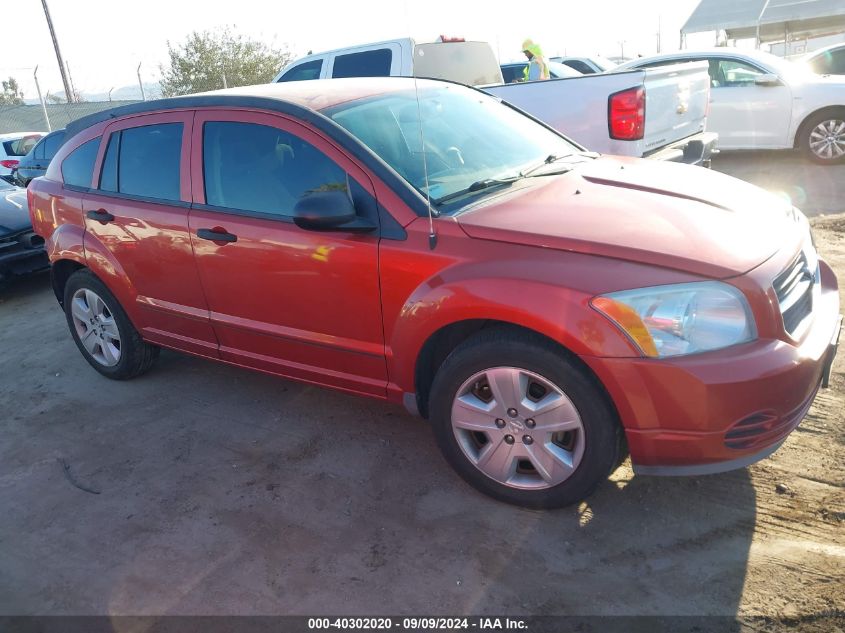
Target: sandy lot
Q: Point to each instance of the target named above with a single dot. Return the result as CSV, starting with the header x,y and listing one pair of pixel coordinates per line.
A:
x,y
222,491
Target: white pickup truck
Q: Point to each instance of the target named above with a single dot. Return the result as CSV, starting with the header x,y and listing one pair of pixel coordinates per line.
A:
x,y
656,113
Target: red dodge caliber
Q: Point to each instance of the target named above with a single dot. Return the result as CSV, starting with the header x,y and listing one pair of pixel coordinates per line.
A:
x,y
548,310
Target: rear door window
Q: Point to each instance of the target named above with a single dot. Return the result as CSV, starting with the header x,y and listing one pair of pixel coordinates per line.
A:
x,y
374,63
304,72
52,144
262,169
39,149
837,62
144,161
78,166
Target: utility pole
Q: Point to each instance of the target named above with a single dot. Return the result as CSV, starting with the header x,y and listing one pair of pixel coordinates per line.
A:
x,y
141,83
659,29
70,79
68,93
41,99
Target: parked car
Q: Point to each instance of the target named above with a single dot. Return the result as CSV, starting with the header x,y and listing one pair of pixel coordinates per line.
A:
x,y
21,250
586,65
35,163
658,114
12,148
760,101
548,307
515,71
826,61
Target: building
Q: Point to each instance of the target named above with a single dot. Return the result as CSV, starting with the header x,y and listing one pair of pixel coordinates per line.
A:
x,y
796,26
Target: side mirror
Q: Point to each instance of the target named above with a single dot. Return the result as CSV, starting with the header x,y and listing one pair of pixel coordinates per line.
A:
x,y
768,79
329,211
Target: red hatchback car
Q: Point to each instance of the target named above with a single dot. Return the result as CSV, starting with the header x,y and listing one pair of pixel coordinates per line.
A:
x,y
545,308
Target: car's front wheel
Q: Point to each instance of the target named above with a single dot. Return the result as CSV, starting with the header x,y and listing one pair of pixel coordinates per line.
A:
x,y
522,421
102,331
824,138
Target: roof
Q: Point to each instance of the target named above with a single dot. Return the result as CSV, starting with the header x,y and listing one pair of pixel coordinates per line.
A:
x,y
311,96
320,94
24,118
740,18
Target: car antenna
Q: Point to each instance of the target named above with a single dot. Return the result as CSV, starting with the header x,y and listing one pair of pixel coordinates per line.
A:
x,y
432,235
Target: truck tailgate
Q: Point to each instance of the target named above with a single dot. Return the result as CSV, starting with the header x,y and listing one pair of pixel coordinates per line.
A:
x,y
676,103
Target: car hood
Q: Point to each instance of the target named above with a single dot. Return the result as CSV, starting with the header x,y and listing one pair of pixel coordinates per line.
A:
x,y
674,216
14,211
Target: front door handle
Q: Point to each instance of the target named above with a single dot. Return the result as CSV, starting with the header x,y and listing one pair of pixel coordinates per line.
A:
x,y
100,215
216,234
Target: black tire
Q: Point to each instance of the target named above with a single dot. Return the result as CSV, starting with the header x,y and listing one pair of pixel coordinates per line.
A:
x,y
136,356
604,446
807,130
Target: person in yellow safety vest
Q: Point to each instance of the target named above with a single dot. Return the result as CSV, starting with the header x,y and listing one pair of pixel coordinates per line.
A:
x,y
537,67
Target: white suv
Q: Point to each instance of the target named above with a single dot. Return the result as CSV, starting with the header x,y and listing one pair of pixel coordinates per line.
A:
x,y
13,147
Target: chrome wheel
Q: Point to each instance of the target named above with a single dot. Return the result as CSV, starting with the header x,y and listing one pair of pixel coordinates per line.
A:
x,y
827,139
518,428
96,327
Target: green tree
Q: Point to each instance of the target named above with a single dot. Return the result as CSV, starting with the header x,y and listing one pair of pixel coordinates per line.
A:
x,y
207,60
11,94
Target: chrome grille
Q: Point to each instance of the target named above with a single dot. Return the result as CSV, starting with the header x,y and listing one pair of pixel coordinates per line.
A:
x,y
794,289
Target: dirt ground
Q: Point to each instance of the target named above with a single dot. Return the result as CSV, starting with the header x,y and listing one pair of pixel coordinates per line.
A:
x,y
214,490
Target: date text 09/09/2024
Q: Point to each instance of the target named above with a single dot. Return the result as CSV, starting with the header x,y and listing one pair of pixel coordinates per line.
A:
x,y
419,623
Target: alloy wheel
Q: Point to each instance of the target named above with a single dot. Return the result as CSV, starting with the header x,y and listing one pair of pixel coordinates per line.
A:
x,y
518,428
827,139
95,325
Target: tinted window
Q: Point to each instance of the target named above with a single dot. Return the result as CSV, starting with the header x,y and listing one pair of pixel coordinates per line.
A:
x,y
513,73
308,70
39,149
580,66
52,144
258,168
367,64
78,166
837,62
148,161
108,173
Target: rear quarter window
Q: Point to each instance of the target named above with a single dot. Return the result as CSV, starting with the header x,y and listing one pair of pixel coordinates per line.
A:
x,y
78,166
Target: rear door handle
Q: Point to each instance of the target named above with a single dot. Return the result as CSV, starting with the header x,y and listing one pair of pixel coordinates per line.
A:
x,y
100,215
216,235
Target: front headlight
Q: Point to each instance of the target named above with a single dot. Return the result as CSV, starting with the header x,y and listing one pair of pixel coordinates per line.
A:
x,y
680,319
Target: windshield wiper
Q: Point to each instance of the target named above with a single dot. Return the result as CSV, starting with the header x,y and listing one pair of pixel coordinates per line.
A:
x,y
487,183
478,185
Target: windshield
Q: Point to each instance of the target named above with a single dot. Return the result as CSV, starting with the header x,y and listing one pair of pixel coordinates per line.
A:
x,y
469,137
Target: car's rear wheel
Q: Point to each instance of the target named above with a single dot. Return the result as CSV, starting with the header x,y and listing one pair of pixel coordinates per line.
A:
x,y
824,138
522,421
102,331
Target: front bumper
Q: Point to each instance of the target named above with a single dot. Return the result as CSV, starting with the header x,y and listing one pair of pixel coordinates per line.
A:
x,y
22,254
693,150
721,410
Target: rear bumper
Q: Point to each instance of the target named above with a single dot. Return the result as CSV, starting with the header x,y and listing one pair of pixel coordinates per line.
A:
x,y
693,150
721,410
22,254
